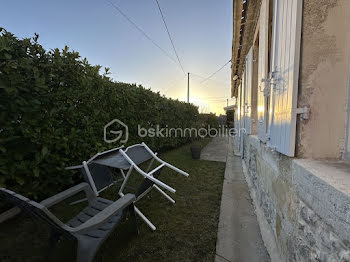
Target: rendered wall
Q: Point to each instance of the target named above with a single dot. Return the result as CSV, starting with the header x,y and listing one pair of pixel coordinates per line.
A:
x,y
324,78
308,214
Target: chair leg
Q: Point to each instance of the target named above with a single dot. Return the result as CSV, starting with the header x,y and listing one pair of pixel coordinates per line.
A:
x,y
144,218
164,194
133,217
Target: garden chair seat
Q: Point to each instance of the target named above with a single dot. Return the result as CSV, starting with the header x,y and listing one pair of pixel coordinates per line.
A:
x,y
91,210
102,176
115,159
91,227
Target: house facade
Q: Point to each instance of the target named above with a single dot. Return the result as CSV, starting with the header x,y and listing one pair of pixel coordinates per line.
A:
x,y
291,80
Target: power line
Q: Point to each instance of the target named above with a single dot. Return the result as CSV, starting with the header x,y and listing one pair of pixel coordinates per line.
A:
x,y
139,29
178,62
217,71
171,40
219,82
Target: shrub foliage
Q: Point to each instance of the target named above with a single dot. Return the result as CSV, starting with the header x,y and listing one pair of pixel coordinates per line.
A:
x,y
54,105
208,120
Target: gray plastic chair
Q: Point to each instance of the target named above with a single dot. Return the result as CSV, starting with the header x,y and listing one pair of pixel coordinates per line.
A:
x,y
91,227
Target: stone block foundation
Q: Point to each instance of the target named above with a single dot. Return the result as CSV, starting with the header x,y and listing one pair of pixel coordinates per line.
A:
x,y
304,203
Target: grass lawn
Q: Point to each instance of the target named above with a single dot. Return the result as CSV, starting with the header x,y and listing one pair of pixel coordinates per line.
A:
x,y
186,231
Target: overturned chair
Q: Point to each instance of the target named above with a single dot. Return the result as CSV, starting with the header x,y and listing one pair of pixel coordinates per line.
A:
x,y
91,227
97,172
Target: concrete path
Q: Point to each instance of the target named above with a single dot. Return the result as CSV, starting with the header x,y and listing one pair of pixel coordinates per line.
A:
x,y
216,150
239,237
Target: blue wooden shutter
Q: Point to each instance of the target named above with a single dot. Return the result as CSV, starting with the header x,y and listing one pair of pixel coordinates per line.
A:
x,y
285,73
262,67
248,90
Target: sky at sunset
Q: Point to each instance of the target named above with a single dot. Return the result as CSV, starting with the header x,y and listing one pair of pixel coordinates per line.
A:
x,y
201,31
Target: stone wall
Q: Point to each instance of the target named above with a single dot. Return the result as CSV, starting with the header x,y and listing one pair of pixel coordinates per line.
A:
x,y
308,217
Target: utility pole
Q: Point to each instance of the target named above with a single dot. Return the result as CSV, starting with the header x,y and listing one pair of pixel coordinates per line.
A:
x,y
188,87
227,101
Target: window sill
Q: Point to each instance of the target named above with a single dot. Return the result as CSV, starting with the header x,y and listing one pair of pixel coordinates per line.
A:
x,y
334,173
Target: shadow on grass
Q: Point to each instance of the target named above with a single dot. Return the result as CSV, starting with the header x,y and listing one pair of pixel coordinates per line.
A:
x,y
186,230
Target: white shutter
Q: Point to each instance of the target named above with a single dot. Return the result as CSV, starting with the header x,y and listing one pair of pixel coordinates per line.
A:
x,y
242,100
238,110
248,89
285,73
242,114
238,119
262,67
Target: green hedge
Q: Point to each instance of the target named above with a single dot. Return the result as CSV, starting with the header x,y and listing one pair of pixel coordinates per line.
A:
x,y
54,106
210,119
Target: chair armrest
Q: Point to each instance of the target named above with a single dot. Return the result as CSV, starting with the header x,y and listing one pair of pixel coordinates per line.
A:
x,y
68,193
102,217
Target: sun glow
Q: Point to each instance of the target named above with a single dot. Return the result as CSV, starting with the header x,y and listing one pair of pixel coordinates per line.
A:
x,y
210,97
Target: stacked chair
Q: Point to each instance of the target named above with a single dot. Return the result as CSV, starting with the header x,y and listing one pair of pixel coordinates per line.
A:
x,y
98,172
92,226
